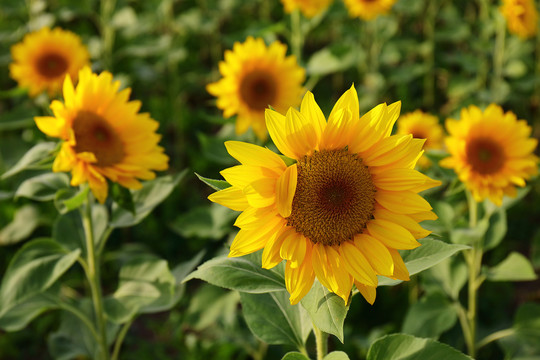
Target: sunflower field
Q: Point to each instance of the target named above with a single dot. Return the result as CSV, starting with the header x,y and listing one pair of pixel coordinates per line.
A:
x,y
269,179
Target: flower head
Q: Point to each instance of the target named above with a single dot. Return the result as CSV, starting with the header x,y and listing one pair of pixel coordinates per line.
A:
x,y
309,8
521,17
343,208
491,151
368,9
423,126
43,58
255,76
104,135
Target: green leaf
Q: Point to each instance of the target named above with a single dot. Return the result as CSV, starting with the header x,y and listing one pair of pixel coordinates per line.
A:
x,y
327,310
238,274
145,200
214,184
272,318
527,323
328,61
33,269
336,355
429,254
25,221
146,285
468,236
42,187
515,267
430,317
210,222
73,339
32,158
20,315
450,275
294,356
496,230
122,197
70,199
407,347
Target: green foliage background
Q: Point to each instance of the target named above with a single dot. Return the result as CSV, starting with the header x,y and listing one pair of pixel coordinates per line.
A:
x,y
438,56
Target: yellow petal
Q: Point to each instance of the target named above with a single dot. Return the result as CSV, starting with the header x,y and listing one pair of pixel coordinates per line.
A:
x,y
231,197
404,220
402,202
401,179
249,154
285,190
270,255
249,241
391,234
311,111
50,125
277,128
400,270
368,292
339,273
242,175
294,248
299,280
356,264
376,253
261,193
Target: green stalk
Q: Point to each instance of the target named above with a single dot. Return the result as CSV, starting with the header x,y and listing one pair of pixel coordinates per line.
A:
x,y
321,339
429,59
93,276
498,58
473,257
120,339
107,32
495,336
297,38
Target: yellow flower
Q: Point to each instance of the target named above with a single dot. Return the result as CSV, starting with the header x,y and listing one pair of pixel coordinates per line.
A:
x,y
255,76
423,126
343,208
43,58
105,136
309,8
368,9
521,17
491,152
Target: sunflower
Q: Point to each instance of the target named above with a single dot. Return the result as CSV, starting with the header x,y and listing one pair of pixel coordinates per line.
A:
x,y
521,17
423,126
43,58
309,8
343,204
491,151
105,136
368,9
255,76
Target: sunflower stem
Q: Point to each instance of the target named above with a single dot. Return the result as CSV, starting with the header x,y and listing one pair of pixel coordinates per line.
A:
x,y
297,38
474,263
321,339
495,336
120,339
498,59
93,275
429,33
107,32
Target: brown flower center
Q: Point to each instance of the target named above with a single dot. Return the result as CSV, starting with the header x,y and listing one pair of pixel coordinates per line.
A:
x,y
485,156
258,90
52,65
334,198
94,134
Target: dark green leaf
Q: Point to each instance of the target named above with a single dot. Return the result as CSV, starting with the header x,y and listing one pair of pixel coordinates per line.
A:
x,y
327,310
430,317
429,254
294,356
70,199
496,230
42,187
407,347
274,320
214,184
336,355
33,269
145,200
515,267
24,223
210,221
238,274
32,158
122,197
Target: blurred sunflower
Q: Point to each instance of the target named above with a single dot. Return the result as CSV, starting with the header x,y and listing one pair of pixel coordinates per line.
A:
x,y
491,151
309,8
422,126
43,58
105,136
255,76
368,9
521,17
342,205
